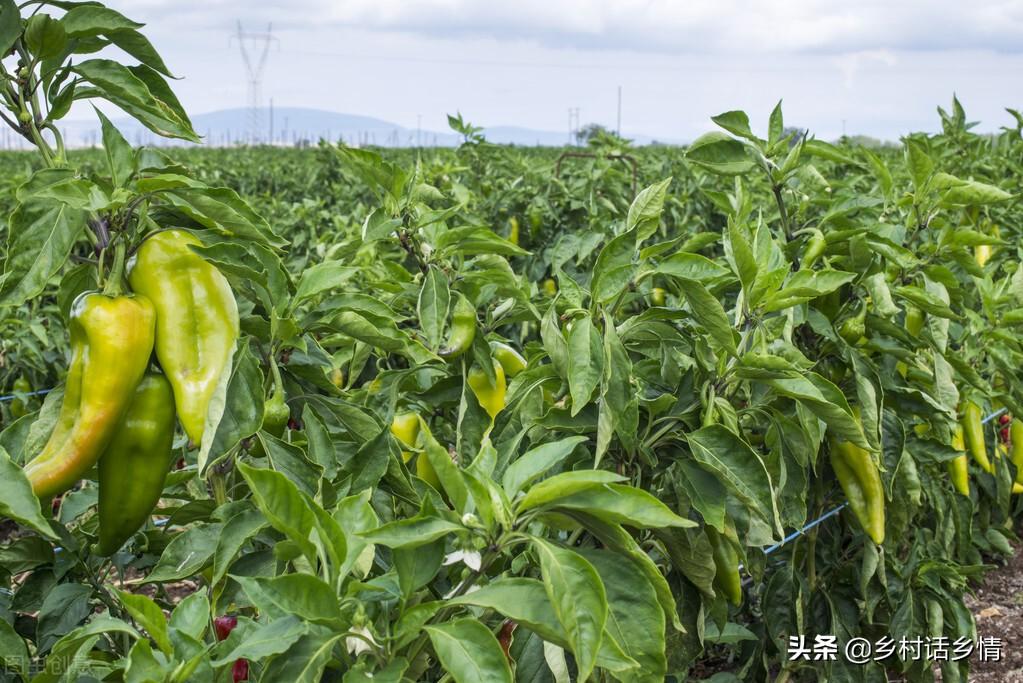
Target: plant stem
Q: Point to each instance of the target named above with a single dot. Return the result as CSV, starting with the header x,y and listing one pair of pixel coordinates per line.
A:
x,y
113,285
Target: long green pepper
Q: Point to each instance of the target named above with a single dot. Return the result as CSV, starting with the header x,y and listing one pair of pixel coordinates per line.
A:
x,y
133,469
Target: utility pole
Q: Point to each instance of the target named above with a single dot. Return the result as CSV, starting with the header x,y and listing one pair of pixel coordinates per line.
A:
x,y
254,67
618,128
573,124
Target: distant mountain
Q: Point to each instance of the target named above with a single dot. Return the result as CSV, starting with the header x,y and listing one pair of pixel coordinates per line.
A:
x,y
297,125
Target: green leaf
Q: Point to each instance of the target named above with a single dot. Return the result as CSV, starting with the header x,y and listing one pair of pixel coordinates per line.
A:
x,y
447,471
221,209
720,154
736,123
192,615
635,619
706,492
564,485
40,235
241,410
266,640
236,533
63,608
579,599
10,25
826,401
283,505
535,462
120,155
320,278
149,616
17,501
306,659
13,650
585,362
187,554
434,299
94,20
739,467
692,267
919,162
411,532
469,652
45,36
622,504
645,212
119,85
710,315
302,595
957,192
614,268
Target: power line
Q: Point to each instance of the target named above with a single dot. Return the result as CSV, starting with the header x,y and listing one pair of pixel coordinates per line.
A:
x,y
254,67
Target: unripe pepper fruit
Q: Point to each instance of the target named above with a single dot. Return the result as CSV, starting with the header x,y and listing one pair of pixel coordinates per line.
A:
x,y
511,360
18,406
861,482
973,431
133,469
276,412
958,467
196,320
405,428
463,329
490,395
111,341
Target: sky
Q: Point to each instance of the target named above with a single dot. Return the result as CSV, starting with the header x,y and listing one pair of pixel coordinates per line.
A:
x,y
873,67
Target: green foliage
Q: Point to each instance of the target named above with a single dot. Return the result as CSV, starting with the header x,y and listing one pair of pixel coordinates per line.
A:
x,y
567,536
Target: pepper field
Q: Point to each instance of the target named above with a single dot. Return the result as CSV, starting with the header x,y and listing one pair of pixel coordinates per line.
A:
x,y
494,413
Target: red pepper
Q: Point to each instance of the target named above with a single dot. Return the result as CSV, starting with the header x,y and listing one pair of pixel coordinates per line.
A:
x,y
224,625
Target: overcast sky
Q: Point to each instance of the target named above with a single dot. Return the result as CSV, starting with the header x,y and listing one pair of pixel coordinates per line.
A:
x,y
878,67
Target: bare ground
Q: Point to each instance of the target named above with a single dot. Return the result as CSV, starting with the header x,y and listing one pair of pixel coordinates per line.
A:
x,y
997,606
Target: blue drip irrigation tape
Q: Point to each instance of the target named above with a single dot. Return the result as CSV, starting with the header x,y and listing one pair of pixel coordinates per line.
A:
x,y
796,534
11,397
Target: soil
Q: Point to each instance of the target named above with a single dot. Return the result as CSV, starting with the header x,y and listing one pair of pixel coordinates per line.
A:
x,y
997,606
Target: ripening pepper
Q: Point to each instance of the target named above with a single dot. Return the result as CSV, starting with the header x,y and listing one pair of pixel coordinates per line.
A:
x,y
726,566
854,327
958,467
1016,442
111,341
815,246
490,395
982,254
861,482
276,412
196,320
973,431
18,405
511,360
513,230
550,287
463,329
657,296
134,467
914,322
405,428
